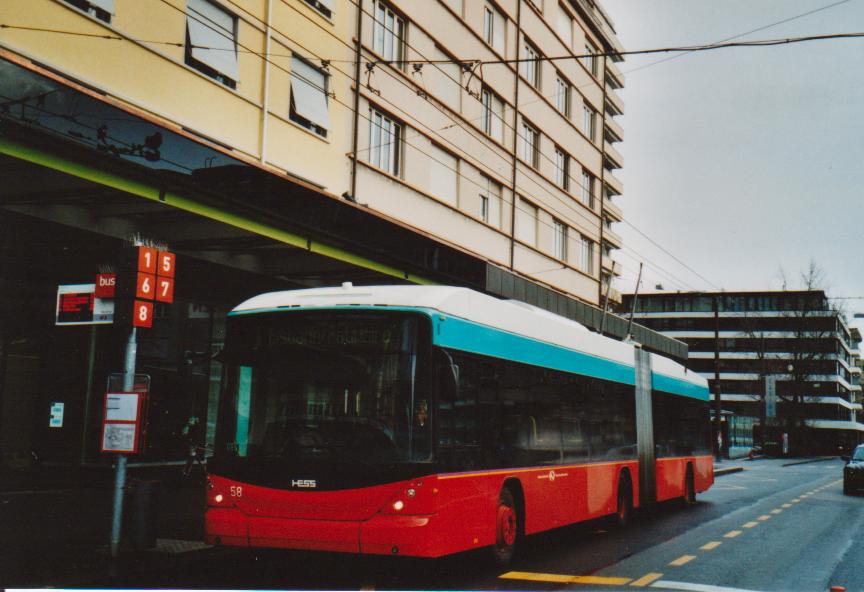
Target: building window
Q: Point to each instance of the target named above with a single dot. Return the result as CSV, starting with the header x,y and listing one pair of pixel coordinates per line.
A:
x,y
309,97
493,28
562,169
490,202
607,250
457,7
211,41
443,175
560,230
591,59
492,120
589,122
101,9
388,33
385,142
586,259
565,26
325,7
562,95
531,64
526,222
530,145
588,189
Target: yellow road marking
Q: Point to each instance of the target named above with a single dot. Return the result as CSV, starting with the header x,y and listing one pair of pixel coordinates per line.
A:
x,y
646,579
787,505
764,517
682,560
776,511
564,578
711,545
732,534
750,524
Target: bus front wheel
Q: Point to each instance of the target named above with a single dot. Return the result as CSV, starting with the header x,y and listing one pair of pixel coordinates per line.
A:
x,y
506,528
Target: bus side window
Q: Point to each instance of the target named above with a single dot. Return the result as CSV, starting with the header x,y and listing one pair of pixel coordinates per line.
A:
x,y
457,422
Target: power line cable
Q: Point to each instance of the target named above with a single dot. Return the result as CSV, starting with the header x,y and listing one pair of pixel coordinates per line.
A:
x,y
517,188
652,241
447,74
744,34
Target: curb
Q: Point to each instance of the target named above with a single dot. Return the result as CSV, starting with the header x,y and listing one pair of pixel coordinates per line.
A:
x,y
809,460
727,470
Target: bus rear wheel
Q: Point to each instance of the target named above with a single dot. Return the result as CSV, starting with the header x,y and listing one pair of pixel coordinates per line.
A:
x,y
624,507
689,488
506,528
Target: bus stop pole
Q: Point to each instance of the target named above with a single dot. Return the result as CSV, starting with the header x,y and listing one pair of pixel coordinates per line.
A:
x,y
120,474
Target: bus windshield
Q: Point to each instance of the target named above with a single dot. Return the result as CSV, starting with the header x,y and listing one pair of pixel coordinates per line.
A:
x,y
326,385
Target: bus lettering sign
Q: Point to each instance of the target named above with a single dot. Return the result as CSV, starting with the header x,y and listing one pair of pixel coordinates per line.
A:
x,y
303,483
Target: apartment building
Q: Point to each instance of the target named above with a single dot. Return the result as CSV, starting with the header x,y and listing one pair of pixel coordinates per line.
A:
x,y
793,339
287,143
474,136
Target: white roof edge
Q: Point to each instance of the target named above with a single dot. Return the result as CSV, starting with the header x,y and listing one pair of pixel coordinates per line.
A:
x,y
507,315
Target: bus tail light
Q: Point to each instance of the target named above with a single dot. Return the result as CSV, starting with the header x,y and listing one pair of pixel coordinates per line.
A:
x,y
419,497
219,497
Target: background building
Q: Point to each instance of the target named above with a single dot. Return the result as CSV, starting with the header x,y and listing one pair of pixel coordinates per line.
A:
x,y
794,338
281,144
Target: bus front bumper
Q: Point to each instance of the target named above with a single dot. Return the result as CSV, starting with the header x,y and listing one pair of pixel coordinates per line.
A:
x,y
383,534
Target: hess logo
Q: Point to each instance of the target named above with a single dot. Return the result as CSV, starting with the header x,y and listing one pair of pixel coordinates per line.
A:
x,y
308,483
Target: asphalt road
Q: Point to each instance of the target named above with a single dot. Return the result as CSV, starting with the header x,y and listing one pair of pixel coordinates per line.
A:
x,y
768,528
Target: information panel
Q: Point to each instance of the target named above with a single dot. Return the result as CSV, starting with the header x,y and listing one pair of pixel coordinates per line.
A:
x,y
77,305
122,421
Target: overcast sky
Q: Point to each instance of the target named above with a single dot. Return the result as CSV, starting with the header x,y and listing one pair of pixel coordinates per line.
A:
x,y
740,161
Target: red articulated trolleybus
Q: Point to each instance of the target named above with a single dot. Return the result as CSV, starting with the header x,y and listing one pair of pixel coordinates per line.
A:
x,y
425,421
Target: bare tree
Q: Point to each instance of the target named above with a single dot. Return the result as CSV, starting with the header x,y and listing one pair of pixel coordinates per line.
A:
x,y
814,325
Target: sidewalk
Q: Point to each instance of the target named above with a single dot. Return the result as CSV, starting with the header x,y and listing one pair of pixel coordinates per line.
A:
x,y
55,525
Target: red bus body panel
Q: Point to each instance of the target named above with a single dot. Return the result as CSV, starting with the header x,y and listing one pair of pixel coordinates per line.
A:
x,y
672,473
451,512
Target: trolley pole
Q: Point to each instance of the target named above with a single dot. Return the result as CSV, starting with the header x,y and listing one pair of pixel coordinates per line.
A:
x,y
633,308
120,474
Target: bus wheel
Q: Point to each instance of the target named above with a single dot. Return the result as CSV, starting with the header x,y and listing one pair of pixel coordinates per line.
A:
x,y
625,502
689,488
506,528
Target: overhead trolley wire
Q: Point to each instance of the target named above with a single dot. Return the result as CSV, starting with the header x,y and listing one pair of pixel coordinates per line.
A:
x,y
744,34
264,56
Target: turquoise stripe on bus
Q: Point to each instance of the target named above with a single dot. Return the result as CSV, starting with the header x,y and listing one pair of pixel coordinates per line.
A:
x,y
668,384
468,336
471,337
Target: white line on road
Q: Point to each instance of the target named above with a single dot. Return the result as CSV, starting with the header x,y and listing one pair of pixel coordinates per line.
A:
x,y
690,587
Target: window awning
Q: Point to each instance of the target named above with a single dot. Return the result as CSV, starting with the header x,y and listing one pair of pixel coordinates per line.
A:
x,y
211,33
309,93
106,5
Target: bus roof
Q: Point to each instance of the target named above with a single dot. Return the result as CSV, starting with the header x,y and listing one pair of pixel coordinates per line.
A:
x,y
510,316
